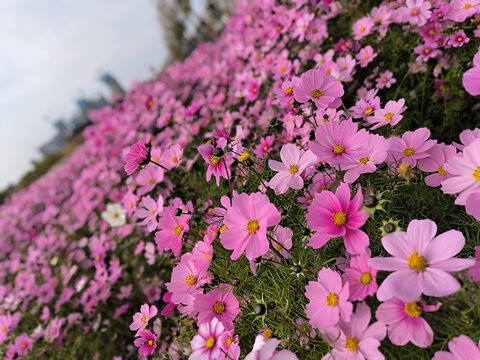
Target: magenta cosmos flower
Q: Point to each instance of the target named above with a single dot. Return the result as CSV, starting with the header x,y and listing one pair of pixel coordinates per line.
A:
x,y
461,348
23,344
465,171
320,88
421,262
147,342
247,222
357,340
206,345
405,323
337,143
137,155
333,215
289,170
219,166
328,300
218,303
141,319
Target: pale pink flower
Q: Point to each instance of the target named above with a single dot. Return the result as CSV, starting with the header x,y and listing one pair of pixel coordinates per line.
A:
x,y
421,262
362,27
462,348
149,211
459,10
293,164
439,155
471,77
328,300
390,115
206,344
365,56
417,12
320,88
412,146
141,319
265,349
385,80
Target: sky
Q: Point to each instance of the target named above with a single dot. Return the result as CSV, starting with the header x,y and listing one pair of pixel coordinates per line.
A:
x,y
52,52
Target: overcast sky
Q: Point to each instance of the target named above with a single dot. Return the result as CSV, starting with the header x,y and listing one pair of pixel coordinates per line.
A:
x,y
52,52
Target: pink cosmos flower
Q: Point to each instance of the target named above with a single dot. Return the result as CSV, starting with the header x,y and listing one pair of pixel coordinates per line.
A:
x,y
474,271
6,324
472,205
149,211
147,342
229,344
458,39
421,262
459,10
186,279
357,340
417,12
206,344
217,303
337,143
390,115
148,178
412,146
471,77
218,165
265,349
247,222
405,323
141,319
365,56
427,51
385,80
202,254
172,157
439,155
465,171
362,27
284,93
366,106
317,30
320,88
282,242
172,228
137,155
265,146
328,300
289,170
374,153
361,277
462,348
333,215
23,344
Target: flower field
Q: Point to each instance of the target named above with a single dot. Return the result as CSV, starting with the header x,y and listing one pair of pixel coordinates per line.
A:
x,y
306,186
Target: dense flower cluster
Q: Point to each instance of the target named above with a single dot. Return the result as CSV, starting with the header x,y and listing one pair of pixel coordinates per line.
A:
x,y
343,221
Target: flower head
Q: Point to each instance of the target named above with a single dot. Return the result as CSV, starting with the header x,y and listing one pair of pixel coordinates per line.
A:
x,y
137,155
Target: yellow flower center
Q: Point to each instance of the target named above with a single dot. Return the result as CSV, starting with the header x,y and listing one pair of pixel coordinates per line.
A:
x,y
415,12
368,111
332,299
152,212
152,181
289,90
412,309
338,149
388,116
378,20
364,160
213,160
143,319
365,278
441,171
229,341
351,343
293,169
265,148
283,69
316,93
150,342
222,229
219,307
210,342
130,204
314,30
278,246
466,6
459,39
190,280
24,346
431,32
409,151
304,26
476,174
416,261
339,218
207,256
267,334
175,160
244,157
4,329
178,229
427,51
252,226
362,29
